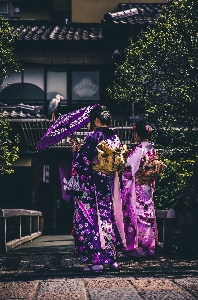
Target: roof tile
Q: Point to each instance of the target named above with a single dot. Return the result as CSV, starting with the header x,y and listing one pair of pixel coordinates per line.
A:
x,y
130,13
32,31
134,13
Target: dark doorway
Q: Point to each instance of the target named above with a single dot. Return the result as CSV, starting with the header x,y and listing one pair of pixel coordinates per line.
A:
x,y
64,203
64,216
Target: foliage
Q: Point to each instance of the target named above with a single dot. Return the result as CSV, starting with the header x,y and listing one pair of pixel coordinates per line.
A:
x,y
170,189
8,149
160,74
6,50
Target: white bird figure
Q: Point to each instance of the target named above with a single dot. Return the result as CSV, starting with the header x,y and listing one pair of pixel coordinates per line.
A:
x,y
53,106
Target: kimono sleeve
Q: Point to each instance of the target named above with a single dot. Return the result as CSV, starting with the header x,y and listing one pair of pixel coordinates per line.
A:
x,y
83,158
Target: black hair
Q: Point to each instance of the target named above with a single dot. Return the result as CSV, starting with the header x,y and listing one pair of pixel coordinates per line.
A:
x,y
102,113
141,129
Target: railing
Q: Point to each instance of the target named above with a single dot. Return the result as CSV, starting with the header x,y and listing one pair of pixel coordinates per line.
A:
x,y
122,129
32,130
24,230
34,227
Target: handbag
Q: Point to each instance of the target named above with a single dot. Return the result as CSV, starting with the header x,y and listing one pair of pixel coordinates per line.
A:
x,y
73,186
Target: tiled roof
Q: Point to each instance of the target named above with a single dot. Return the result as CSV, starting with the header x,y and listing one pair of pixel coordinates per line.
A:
x,y
35,31
133,14
44,30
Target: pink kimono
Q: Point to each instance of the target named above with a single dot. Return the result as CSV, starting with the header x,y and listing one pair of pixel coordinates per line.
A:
x,y
138,206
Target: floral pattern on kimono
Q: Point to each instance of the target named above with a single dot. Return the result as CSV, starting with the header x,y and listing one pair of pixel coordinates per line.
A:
x,y
95,204
138,208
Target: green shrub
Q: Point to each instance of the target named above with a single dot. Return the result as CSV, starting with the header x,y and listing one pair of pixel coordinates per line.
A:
x,y
171,187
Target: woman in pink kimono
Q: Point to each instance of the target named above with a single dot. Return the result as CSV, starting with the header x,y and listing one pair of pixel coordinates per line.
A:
x,y
137,197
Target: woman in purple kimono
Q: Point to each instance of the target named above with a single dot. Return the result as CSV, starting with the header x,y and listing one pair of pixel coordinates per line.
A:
x,y
137,198
96,232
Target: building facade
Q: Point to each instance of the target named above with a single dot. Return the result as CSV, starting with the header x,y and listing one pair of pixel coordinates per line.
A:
x,y
66,47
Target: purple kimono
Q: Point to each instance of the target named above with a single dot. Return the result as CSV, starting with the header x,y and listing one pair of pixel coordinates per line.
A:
x,y
95,231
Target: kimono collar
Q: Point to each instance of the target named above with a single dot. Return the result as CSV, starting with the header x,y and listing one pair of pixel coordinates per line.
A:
x,y
105,130
135,157
146,145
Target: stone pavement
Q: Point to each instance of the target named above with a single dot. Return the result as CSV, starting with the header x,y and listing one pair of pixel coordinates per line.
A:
x,y
48,269
99,288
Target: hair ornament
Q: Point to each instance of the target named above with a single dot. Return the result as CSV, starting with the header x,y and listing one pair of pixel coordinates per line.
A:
x,y
148,128
134,127
105,114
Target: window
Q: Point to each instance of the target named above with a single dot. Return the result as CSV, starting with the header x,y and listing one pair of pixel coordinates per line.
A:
x,y
56,84
38,86
26,85
85,86
4,7
33,80
11,87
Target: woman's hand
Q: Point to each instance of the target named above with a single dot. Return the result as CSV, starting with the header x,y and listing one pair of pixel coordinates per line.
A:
x,y
75,145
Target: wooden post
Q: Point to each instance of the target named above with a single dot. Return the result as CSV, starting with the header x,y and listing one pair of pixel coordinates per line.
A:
x,y
2,235
167,239
167,230
41,224
17,233
36,224
28,225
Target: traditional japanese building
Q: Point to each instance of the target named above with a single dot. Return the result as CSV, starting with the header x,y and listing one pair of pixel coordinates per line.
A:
x,y
66,47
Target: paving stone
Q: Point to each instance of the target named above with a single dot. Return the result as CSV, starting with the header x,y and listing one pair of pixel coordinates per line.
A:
x,y
160,289
18,290
110,288
58,289
104,282
190,284
113,294
52,258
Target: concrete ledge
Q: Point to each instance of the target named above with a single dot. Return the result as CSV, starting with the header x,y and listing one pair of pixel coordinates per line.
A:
x,y
161,213
17,242
19,212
